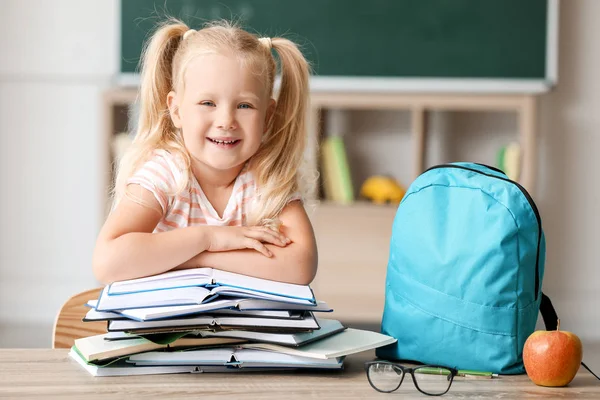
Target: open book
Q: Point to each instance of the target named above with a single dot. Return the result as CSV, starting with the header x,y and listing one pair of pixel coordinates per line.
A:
x,y
215,322
329,327
93,348
123,368
233,357
243,305
181,296
93,315
170,287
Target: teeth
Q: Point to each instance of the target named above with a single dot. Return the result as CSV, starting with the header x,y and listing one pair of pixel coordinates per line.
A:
x,y
224,141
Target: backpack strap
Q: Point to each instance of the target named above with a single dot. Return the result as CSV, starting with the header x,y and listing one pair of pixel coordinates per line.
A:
x,y
548,313
551,321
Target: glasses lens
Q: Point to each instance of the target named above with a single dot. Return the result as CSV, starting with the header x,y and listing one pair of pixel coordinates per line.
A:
x,y
433,380
385,377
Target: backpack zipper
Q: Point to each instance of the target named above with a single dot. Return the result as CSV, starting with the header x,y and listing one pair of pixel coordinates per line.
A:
x,y
527,196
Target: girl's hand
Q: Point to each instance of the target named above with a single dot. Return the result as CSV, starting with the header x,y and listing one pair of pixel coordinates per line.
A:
x,y
224,238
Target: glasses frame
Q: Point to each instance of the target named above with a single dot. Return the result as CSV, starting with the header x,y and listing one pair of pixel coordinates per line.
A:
x,y
409,370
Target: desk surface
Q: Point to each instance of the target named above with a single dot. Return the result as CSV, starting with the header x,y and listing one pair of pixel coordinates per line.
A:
x,y
51,373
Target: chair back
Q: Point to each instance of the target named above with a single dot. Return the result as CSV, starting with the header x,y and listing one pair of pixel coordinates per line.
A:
x,y
69,326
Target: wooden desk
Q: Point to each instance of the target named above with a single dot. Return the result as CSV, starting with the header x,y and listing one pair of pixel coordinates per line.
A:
x,y
50,373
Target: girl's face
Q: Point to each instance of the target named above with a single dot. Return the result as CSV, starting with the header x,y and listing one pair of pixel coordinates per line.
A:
x,y
222,112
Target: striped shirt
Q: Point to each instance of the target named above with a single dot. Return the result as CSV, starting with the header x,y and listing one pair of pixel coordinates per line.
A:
x,y
161,175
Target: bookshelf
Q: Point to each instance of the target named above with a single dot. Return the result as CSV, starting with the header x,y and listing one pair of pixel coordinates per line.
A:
x,y
353,240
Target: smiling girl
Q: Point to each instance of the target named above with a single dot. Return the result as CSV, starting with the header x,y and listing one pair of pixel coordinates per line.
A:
x,y
211,179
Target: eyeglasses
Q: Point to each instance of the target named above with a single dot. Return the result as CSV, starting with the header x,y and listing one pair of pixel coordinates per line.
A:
x,y
432,380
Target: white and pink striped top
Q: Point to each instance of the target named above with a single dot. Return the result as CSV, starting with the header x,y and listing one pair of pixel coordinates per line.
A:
x,y
161,174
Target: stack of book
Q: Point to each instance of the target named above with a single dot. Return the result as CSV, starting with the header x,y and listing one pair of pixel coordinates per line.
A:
x,y
208,320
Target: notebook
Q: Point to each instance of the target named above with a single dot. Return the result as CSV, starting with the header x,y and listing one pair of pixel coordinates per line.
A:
x,y
215,322
170,287
233,357
266,308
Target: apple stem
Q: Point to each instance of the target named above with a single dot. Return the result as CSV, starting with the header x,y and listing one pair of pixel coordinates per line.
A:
x,y
558,324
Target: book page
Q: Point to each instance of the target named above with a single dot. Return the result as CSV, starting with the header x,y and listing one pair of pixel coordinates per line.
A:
x,y
167,280
242,292
96,348
150,313
217,356
261,357
265,286
125,369
328,328
347,342
170,297
308,322
93,315
230,356
129,325
242,304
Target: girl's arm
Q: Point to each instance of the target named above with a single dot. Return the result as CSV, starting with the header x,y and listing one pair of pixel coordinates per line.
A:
x,y
294,263
126,247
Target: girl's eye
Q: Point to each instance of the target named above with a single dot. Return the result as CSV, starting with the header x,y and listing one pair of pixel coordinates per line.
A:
x,y
245,105
207,103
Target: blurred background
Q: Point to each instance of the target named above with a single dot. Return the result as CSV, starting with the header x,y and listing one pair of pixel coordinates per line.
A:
x,y
67,94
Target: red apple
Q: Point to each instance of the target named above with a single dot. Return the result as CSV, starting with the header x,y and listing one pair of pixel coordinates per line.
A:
x,y
552,358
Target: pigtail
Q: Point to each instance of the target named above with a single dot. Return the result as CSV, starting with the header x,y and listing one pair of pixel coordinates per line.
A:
x,y
277,161
154,126
157,79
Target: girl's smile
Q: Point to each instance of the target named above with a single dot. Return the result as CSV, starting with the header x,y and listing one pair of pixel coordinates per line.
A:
x,y
224,142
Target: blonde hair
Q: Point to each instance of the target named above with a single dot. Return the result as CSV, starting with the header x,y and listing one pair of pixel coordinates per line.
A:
x,y
276,163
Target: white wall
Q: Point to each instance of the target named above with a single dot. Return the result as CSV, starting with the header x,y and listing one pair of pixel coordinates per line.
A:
x,y
57,58
569,191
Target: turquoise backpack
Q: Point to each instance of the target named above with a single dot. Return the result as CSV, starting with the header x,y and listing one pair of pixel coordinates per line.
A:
x,y
464,277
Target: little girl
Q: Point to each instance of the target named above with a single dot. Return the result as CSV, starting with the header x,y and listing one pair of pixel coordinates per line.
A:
x,y
211,179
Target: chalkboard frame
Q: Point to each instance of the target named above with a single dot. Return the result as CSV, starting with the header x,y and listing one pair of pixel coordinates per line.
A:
x,y
428,85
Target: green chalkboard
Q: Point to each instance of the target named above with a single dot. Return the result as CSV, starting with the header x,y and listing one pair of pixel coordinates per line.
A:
x,y
500,39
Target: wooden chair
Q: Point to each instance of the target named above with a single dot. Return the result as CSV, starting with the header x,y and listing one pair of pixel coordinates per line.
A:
x,y
69,326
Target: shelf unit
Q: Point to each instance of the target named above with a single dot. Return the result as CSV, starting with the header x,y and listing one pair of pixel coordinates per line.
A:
x,y
353,240
421,104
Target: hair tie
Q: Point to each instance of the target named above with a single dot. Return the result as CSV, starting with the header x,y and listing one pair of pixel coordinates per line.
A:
x,y
188,33
266,42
